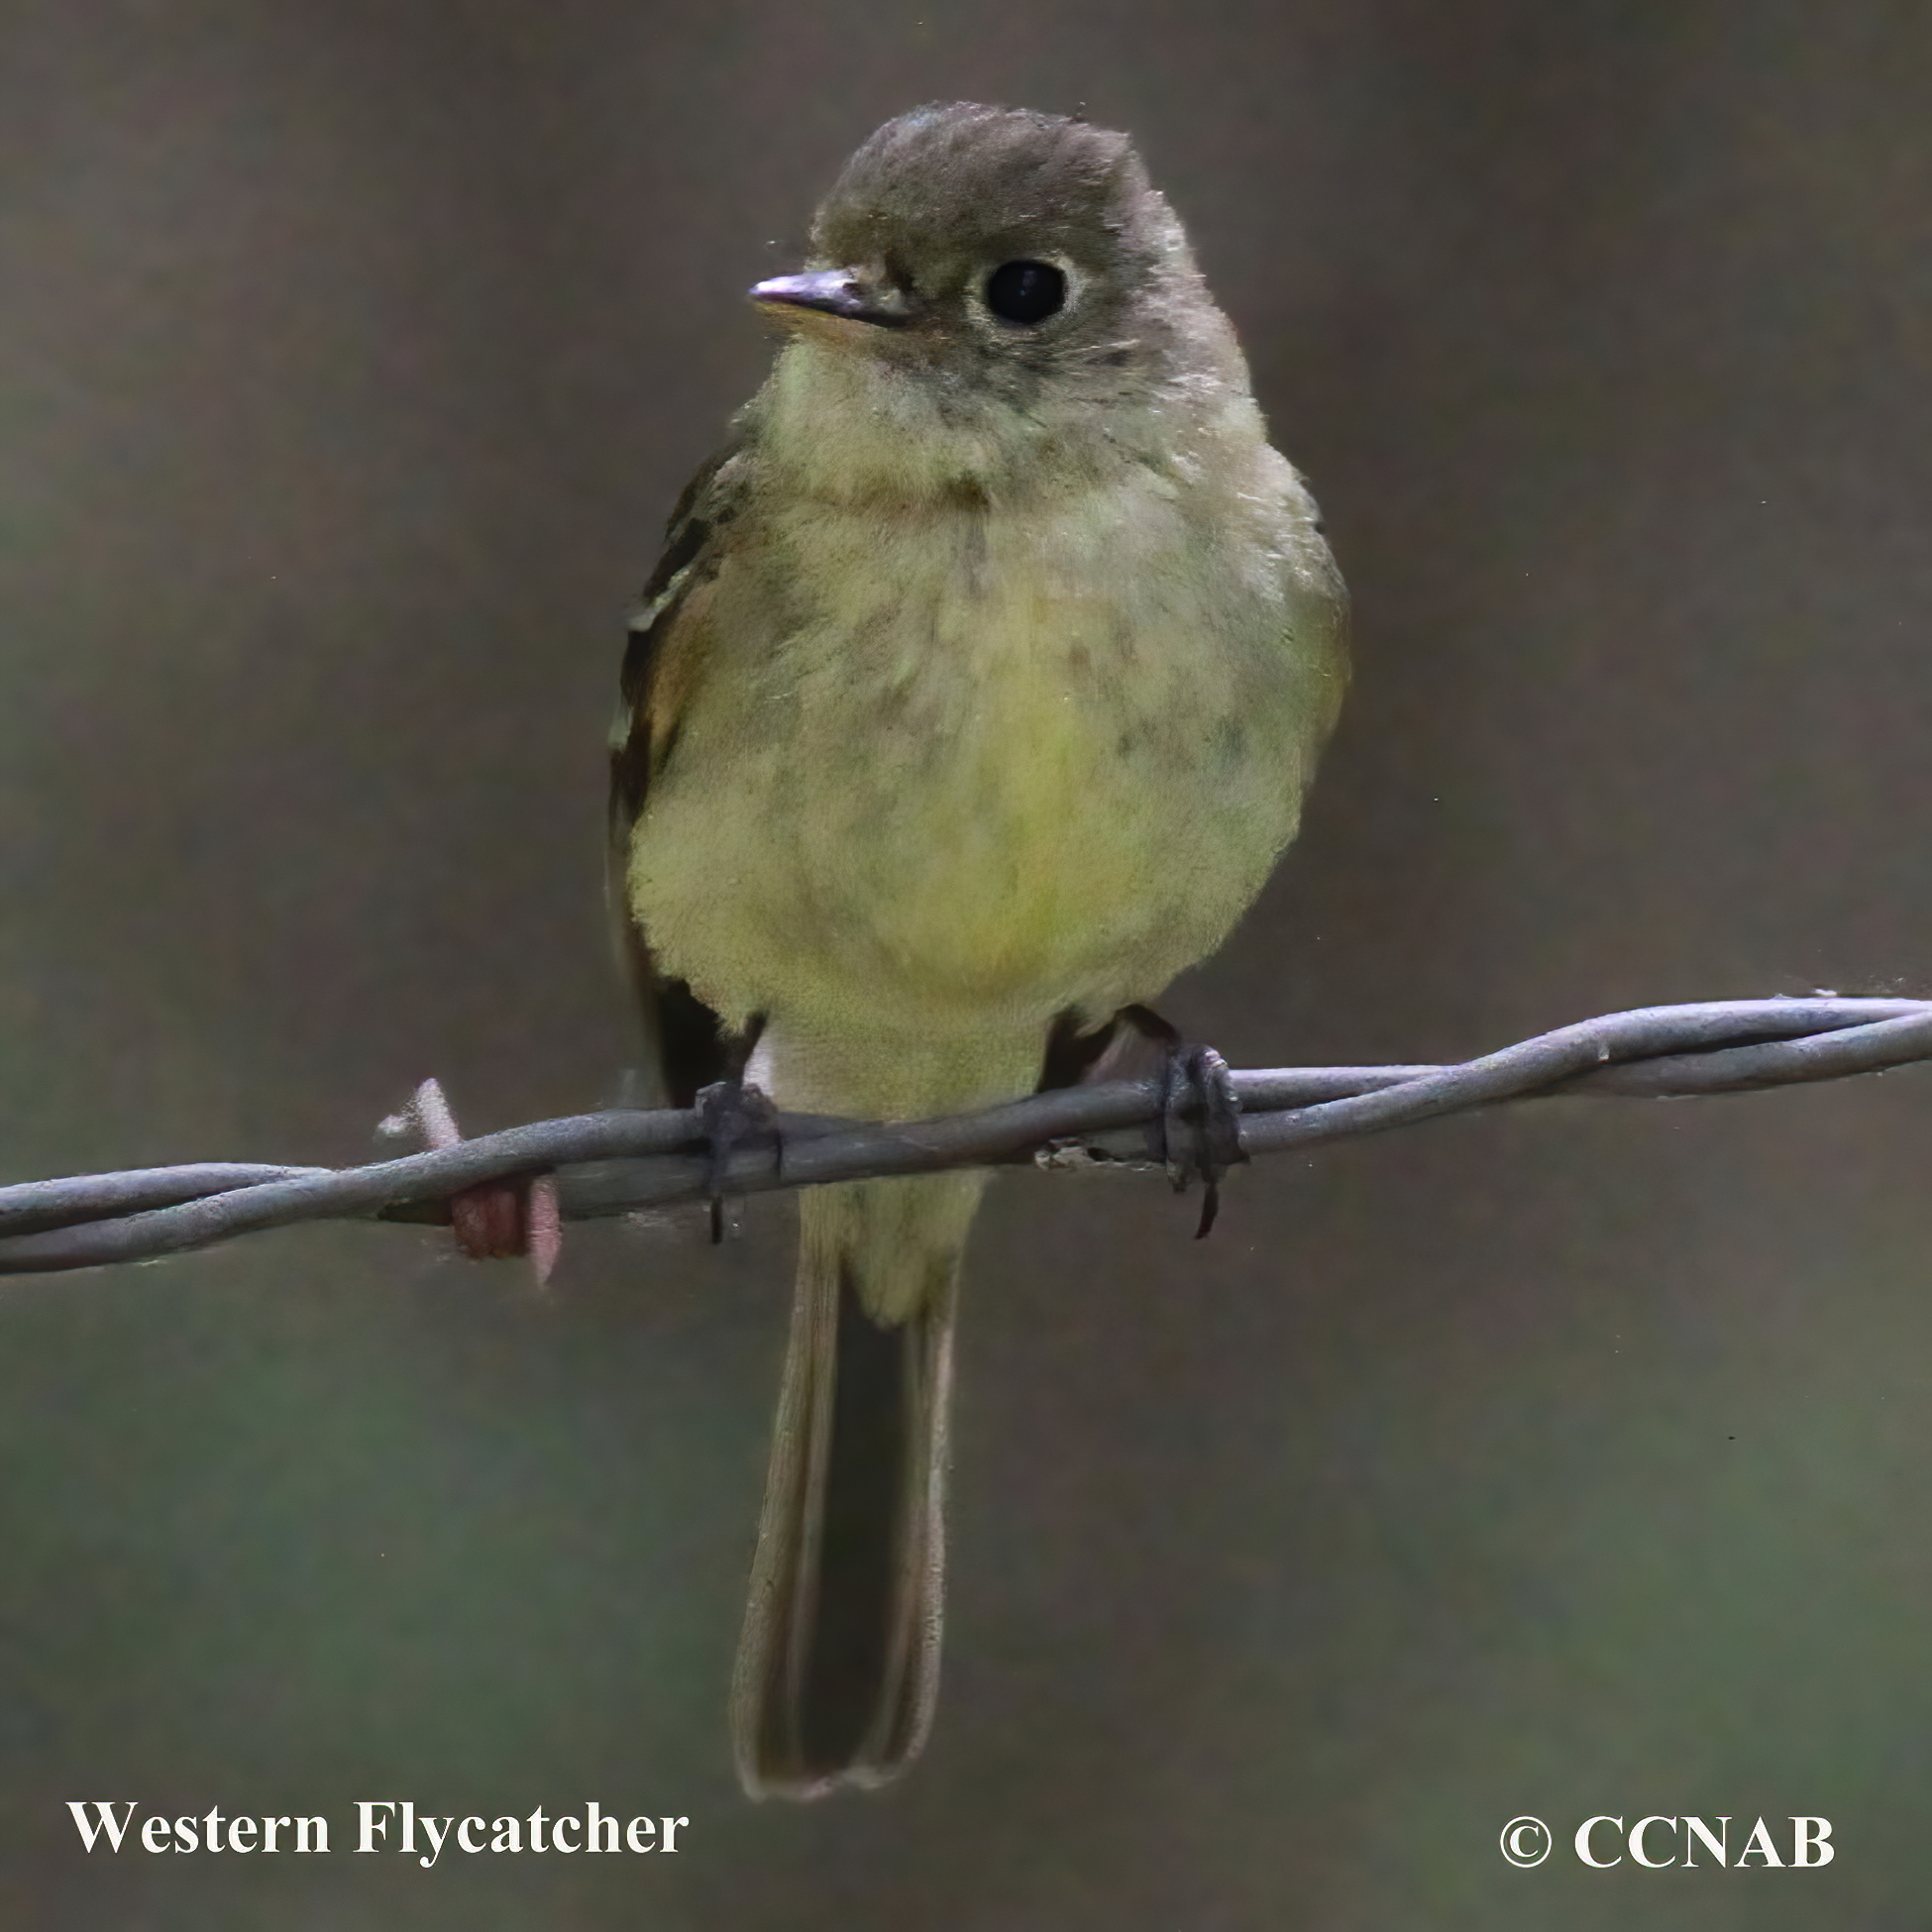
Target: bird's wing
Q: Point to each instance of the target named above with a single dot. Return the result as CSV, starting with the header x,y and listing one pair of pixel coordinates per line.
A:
x,y
685,1045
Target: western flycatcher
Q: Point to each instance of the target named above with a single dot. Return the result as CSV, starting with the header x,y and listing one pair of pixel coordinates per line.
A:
x,y
975,697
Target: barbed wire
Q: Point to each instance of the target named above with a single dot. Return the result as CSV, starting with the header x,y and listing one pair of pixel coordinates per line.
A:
x,y
629,1160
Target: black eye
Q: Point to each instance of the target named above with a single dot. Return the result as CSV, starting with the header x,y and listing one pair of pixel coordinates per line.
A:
x,y
1025,292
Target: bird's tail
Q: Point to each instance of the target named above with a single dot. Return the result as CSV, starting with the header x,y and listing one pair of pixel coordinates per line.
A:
x,y
839,1660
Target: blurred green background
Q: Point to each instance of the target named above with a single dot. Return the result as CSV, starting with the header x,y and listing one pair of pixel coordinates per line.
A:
x,y
1571,1461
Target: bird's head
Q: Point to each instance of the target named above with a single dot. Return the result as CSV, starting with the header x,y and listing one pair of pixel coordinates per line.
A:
x,y
987,286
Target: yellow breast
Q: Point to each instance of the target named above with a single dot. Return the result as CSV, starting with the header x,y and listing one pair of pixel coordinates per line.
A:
x,y
1001,764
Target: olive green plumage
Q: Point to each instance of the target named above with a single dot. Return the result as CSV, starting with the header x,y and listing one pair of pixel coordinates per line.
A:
x,y
980,687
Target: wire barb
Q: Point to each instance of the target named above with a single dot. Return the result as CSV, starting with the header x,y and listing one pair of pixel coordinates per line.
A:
x,y
625,1161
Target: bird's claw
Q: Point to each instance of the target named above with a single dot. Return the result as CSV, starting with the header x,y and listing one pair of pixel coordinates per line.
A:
x,y
1200,1126
731,1110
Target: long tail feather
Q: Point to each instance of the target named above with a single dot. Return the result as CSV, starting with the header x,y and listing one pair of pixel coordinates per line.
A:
x,y
839,1666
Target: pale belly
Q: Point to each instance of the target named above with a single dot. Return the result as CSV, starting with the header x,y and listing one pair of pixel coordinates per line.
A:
x,y
1045,851
1052,848
958,813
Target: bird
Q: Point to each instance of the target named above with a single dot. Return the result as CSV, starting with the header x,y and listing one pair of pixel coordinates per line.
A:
x,y
974,695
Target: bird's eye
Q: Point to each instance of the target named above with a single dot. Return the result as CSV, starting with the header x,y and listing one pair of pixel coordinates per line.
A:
x,y
1026,292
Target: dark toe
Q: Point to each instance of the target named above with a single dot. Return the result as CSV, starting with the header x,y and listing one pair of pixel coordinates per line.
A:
x,y
732,1112
1199,1125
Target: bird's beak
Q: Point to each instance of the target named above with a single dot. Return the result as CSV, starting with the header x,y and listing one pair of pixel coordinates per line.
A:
x,y
837,295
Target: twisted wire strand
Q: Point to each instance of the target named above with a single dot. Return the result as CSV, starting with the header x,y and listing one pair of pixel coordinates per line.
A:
x,y
628,1161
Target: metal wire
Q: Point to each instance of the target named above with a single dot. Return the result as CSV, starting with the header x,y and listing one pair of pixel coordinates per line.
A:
x,y
626,1160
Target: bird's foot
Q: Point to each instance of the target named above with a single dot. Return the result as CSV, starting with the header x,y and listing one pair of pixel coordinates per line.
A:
x,y
1199,1125
1198,1136
732,1112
